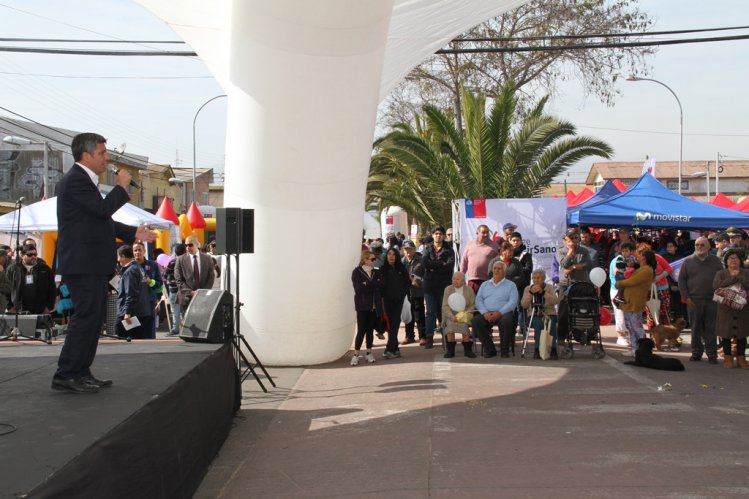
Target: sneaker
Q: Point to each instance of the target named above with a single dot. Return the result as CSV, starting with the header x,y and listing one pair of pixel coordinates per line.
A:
x,y
387,355
396,354
370,358
628,353
623,341
355,360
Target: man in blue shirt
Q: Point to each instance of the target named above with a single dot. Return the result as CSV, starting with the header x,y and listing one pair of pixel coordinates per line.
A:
x,y
496,301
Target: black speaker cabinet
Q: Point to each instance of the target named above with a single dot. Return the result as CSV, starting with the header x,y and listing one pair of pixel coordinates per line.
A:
x,y
235,230
209,317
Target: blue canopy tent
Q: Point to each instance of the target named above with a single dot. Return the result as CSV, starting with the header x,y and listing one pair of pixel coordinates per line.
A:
x,y
606,191
648,203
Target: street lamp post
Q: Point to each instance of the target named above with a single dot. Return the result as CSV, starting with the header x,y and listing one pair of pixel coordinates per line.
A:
x,y
23,141
176,181
194,161
681,118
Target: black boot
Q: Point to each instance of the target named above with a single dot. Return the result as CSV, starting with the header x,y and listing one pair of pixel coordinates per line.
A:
x,y
536,354
468,349
450,347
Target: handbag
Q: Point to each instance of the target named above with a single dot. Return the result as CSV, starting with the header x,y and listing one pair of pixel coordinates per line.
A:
x,y
544,343
654,304
406,316
733,296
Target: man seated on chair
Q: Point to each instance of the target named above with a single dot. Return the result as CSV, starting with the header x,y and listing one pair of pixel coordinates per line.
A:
x,y
496,301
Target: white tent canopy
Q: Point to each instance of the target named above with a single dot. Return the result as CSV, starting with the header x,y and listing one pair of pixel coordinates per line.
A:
x,y
42,217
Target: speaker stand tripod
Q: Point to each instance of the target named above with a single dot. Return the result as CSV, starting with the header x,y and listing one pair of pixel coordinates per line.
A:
x,y
15,331
238,339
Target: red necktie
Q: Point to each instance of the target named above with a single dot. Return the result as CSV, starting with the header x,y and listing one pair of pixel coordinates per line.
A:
x,y
195,272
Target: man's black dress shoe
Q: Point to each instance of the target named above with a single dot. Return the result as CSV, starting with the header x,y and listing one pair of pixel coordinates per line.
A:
x,y
490,354
93,380
73,386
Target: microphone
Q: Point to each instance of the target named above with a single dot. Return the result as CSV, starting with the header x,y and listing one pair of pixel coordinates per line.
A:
x,y
116,170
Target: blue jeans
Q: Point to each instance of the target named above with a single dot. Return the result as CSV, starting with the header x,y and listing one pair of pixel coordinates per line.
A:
x,y
176,313
433,303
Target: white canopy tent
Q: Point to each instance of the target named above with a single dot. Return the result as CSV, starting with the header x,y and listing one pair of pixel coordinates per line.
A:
x,y
42,217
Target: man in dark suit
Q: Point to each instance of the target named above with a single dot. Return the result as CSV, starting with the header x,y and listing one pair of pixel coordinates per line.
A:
x,y
185,272
86,256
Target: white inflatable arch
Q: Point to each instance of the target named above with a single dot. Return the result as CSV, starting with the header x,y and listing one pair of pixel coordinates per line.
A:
x,y
304,78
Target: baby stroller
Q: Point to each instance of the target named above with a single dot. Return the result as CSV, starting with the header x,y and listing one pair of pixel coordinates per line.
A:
x,y
584,320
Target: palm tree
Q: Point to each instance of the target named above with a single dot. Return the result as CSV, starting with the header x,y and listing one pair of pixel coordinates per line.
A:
x,y
424,167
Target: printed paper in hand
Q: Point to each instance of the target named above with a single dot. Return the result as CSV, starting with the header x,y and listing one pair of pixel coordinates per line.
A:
x,y
134,322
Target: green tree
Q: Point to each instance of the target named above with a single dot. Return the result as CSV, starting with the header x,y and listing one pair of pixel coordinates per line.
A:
x,y
423,167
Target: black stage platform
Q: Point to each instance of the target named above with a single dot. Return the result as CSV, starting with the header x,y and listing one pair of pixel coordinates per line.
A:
x,y
151,435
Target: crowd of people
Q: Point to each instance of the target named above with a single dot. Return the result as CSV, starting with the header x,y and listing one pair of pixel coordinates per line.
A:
x,y
494,283
29,286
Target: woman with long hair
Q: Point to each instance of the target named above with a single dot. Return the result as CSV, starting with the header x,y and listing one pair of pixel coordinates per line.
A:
x,y
367,282
636,290
396,285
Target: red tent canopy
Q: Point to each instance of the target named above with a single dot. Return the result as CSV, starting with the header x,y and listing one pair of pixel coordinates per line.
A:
x,y
723,201
619,185
743,205
194,217
570,196
166,211
584,195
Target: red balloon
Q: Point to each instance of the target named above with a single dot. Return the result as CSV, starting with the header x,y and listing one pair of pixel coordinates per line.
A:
x,y
605,316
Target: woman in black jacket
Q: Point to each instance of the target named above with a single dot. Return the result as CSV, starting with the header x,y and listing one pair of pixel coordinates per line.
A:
x,y
367,282
397,284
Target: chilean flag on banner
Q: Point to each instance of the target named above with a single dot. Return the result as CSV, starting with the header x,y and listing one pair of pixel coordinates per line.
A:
x,y
389,220
475,208
649,166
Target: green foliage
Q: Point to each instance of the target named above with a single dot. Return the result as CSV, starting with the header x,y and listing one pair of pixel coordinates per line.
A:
x,y
424,167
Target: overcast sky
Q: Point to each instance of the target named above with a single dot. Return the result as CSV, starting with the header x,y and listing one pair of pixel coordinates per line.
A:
x,y
149,103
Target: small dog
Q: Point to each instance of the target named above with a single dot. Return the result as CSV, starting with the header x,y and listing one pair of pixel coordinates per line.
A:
x,y
662,332
644,357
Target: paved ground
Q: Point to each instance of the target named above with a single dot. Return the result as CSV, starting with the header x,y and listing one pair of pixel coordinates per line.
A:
x,y
424,426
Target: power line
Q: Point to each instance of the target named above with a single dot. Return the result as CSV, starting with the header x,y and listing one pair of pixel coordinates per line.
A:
x,y
84,77
106,35
135,53
662,132
78,40
596,35
585,46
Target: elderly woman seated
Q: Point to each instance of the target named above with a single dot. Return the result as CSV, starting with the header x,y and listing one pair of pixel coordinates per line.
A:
x,y
458,304
540,300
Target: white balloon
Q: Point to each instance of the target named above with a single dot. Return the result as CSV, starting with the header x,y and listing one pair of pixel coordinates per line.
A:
x,y
598,276
456,301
